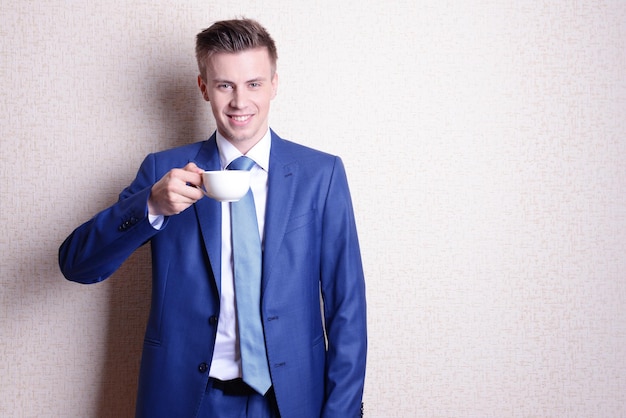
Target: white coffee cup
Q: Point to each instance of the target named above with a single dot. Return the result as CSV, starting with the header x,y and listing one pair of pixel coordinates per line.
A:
x,y
226,185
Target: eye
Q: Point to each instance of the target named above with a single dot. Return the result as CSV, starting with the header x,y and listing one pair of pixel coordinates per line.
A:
x,y
224,86
255,85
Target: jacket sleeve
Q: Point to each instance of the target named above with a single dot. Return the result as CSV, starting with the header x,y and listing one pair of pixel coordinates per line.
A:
x,y
97,248
343,292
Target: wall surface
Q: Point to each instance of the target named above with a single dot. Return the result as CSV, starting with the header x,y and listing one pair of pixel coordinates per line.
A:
x,y
485,143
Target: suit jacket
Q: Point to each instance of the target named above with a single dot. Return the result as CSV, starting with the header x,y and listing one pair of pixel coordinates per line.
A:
x,y
316,353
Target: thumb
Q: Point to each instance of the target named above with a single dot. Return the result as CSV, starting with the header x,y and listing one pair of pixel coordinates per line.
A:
x,y
192,167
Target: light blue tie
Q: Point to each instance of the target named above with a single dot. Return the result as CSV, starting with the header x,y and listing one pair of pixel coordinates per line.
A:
x,y
247,269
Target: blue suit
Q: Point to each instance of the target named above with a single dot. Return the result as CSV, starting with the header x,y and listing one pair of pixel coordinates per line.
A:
x,y
317,362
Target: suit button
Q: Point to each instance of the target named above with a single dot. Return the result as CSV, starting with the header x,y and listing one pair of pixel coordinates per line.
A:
x,y
203,367
213,320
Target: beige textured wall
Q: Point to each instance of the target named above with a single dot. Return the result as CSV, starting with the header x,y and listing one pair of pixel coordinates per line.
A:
x,y
485,143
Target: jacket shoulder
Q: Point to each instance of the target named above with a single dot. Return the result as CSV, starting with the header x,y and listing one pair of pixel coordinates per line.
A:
x,y
287,151
186,151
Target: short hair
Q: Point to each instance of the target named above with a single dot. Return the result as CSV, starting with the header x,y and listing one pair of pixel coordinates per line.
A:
x,y
231,36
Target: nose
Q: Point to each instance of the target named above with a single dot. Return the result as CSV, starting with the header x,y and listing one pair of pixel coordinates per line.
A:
x,y
238,100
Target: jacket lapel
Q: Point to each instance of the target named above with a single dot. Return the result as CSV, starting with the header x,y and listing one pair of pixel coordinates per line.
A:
x,y
209,211
282,179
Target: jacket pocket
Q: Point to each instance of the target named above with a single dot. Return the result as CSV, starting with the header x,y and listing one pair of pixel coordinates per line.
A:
x,y
301,221
152,342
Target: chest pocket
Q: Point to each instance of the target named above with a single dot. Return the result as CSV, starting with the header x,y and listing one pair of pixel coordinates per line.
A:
x,y
300,221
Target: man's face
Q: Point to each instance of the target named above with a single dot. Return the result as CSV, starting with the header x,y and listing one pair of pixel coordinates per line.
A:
x,y
240,87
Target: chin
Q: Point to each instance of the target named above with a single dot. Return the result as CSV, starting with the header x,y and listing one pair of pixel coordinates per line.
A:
x,y
239,138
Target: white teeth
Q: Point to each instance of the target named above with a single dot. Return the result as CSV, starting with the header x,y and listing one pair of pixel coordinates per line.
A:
x,y
241,118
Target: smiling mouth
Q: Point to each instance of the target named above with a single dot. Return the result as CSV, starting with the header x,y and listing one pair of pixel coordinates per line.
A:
x,y
240,119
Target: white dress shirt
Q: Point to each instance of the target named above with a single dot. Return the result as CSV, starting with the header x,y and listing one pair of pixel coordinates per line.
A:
x,y
226,362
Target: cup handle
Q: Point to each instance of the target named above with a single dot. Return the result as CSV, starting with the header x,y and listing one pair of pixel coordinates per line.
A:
x,y
201,188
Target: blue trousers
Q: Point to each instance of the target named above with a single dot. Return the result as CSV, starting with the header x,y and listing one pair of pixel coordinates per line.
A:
x,y
217,404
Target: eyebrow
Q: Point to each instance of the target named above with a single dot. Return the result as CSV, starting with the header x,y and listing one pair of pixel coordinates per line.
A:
x,y
256,79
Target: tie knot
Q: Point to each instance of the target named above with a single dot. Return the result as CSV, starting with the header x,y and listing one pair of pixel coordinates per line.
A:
x,y
241,163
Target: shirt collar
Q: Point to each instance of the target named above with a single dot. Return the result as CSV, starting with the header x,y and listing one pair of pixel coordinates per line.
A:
x,y
260,153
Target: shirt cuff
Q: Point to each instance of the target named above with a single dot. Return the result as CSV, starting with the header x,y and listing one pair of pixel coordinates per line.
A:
x,y
156,221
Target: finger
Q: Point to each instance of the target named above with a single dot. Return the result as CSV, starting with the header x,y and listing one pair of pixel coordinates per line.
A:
x,y
193,168
187,175
191,192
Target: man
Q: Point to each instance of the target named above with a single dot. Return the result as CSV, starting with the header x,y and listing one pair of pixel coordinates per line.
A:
x,y
195,362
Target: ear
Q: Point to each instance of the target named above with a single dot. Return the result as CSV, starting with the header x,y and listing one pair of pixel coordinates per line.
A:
x,y
274,85
203,88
